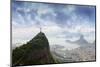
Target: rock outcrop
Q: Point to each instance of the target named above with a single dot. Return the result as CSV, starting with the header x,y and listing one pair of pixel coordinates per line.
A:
x,y
34,52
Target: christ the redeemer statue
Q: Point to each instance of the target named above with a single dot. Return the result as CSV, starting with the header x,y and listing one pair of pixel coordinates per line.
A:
x,y
40,29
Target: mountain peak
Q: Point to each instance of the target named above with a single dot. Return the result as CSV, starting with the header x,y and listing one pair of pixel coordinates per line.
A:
x,y
81,41
36,51
81,37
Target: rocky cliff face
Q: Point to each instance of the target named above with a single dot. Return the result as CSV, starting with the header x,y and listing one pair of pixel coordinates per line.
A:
x,y
36,51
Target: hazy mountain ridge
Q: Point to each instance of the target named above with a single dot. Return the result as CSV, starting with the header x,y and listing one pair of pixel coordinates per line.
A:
x,y
86,51
81,41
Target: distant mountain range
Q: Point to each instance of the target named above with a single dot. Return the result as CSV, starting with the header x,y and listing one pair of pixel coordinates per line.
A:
x,y
82,53
86,51
81,41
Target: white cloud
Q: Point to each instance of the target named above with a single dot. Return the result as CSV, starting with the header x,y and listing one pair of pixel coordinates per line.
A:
x,y
69,10
22,32
52,31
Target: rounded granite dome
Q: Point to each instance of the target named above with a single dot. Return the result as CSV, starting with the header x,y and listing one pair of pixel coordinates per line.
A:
x,y
36,51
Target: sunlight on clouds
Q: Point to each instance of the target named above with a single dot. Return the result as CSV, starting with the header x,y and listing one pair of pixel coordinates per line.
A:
x,y
28,18
44,10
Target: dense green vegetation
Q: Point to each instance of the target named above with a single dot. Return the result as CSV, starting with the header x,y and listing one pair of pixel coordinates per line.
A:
x,y
36,51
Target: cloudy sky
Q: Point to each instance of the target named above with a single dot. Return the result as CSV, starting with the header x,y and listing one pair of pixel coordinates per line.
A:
x,y
59,22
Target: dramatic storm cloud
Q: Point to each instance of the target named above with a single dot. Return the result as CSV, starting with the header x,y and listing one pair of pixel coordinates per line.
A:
x,y
60,22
